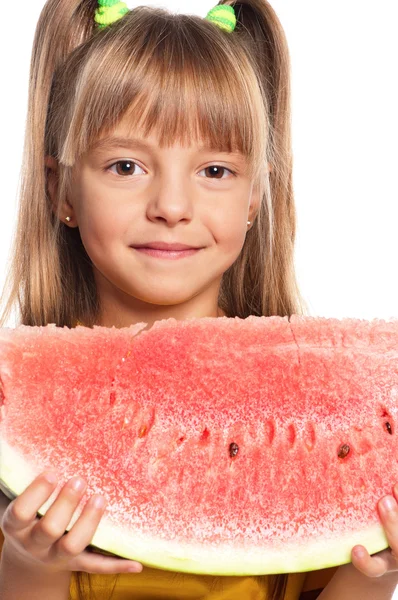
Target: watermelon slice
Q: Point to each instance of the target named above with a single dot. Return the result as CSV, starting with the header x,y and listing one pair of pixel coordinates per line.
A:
x,y
223,446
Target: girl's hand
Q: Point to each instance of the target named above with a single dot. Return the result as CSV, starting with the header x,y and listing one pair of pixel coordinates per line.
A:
x,y
43,544
385,561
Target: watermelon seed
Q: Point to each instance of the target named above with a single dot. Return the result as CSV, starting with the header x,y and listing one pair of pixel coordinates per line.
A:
x,y
344,450
143,431
205,435
233,449
291,434
388,427
112,395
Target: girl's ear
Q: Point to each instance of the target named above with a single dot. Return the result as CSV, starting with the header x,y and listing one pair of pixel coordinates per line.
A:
x,y
66,210
255,201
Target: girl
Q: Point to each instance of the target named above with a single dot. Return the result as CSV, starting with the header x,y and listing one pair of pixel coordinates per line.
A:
x,y
157,129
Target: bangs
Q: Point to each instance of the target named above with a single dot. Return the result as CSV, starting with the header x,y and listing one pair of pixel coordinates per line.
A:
x,y
177,76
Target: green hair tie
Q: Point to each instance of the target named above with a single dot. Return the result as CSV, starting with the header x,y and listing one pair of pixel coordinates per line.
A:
x,y
223,16
110,11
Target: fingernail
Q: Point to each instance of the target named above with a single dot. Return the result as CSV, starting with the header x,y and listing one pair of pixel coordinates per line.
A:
x,y
135,569
388,503
77,484
98,501
51,477
359,552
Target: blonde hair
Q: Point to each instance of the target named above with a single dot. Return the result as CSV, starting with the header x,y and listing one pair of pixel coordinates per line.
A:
x,y
187,79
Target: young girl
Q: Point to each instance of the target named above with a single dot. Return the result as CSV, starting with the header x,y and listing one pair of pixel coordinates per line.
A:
x,y
154,129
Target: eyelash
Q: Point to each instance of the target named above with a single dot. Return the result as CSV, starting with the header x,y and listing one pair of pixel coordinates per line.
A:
x,y
234,173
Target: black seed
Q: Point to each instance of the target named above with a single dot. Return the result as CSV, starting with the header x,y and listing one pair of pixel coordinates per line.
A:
x,y
344,450
233,449
388,427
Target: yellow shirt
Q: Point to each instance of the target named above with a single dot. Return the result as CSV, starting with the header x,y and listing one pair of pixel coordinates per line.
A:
x,y
155,584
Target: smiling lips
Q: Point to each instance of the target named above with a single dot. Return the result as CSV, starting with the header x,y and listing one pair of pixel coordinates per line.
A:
x,y
166,247
168,251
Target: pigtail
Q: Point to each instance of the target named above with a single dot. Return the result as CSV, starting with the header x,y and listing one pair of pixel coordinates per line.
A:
x,y
262,281
33,269
62,26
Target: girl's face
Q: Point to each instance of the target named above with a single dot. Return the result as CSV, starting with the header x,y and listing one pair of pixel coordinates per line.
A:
x,y
133,193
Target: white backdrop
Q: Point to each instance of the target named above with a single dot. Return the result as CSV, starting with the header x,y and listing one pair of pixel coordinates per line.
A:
x,y
345,131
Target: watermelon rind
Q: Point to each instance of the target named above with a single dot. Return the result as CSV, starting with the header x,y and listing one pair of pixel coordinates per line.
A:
x,y
16,475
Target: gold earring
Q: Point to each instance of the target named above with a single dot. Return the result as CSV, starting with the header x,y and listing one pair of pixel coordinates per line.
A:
x,y
68,219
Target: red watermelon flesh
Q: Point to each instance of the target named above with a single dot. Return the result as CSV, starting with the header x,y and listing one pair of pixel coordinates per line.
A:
x,y
223,446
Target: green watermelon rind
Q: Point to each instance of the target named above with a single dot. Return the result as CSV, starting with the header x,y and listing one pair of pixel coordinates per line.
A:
x,y
16,474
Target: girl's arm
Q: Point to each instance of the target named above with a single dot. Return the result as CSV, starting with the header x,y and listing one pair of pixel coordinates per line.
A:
x,y
348,583
18,581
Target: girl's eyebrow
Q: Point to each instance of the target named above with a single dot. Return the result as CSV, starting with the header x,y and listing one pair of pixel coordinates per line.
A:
x,y
112,142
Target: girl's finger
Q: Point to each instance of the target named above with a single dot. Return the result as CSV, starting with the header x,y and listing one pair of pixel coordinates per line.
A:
x,y
52,526
73,544
79,537
374,566
388,510
22,511
104,565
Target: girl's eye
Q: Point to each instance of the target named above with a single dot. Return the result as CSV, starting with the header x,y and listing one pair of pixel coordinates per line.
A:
x,y
127,167
216,170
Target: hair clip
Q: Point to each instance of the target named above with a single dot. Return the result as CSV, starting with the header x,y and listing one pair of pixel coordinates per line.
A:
x,y
223,16
110,11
